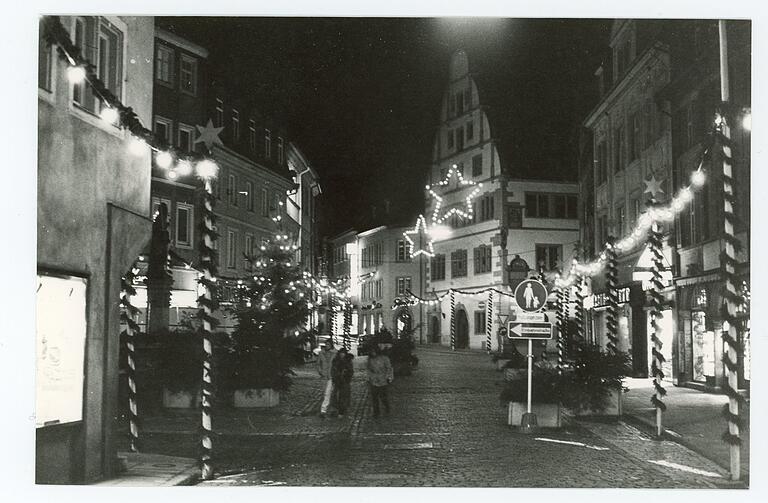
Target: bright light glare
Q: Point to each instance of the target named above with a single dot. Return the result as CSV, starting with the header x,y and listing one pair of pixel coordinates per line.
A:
x,y
207,169
109,115
746,121
76,74
184,168
137,146
439,232
164,160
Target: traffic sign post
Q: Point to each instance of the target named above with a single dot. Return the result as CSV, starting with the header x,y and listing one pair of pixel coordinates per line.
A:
x,y
531,296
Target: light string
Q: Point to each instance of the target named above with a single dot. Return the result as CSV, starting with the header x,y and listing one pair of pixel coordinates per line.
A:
x,y
131,329
114,112
657,300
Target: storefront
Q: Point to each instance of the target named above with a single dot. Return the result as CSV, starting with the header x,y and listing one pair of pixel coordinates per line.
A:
x,y
699,344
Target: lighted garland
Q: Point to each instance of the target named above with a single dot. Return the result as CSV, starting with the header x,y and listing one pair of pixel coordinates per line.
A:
x,y
114,111
561,321
206,306
131,329
347,324
579,314
731,303
654,244
612,314
437,217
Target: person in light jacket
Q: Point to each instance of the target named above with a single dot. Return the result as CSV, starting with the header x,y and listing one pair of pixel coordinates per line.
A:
x,y
324,367
380,375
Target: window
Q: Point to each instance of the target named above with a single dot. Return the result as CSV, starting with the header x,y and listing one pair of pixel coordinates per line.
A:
x,y
601,170
45,64
232,190
460,138
185,137
403,252
188,75
184,222
403,285
163,128
219,113
267,143
248,251
459,103
101,43
450,138
559,200
437,268
275,206
231,249
482,259
470,130
249,196
571,206
618,149
486,208
648,122
280,151
514,217
235,125
477,165
451,106
164,64
548,256
467,98
264,203
458,263
602,229
252,135
81,34
480,322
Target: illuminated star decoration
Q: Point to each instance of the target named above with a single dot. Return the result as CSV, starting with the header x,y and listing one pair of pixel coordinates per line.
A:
x,y
437,217
421,228
209,135
652,186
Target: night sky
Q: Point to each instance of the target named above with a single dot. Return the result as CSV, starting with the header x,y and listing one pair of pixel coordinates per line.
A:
x,y
361,96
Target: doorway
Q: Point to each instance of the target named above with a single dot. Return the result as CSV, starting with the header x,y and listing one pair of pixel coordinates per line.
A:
x,y
462,329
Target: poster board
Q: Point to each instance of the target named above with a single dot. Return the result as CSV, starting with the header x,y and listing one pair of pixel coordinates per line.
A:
x,y
60,349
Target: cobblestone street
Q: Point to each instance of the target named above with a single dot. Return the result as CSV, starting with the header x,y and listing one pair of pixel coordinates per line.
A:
x,y
447,428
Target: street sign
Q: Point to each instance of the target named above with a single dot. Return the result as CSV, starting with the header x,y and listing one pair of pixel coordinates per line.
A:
x,y
532,330
531,295
530,317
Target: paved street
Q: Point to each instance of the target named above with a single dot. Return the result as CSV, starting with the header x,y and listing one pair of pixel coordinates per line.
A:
x,y
447,428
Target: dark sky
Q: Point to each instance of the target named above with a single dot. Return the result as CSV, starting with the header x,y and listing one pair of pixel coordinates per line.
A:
x,y
361,95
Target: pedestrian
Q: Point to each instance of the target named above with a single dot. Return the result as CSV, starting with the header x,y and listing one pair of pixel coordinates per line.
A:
x,y
324,364
341,374
380,376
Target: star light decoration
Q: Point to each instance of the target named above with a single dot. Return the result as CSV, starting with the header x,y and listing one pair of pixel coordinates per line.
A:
x,y
653,187
209,135
438,218
419,230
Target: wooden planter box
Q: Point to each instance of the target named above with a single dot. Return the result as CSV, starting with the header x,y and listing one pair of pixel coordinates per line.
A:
x,y
547,414
614,408
256,398
180,400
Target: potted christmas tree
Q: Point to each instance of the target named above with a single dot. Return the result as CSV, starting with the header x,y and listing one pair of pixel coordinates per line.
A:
x,y
594,383
270,309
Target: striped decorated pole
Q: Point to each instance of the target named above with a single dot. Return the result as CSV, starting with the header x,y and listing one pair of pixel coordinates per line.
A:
x,y
489,321
206,306
131,329
347,324
728,266
657,299
612,313
332,309
453,320
579,314
560,314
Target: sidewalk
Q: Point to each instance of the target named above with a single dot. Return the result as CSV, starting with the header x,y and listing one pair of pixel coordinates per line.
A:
x,y
155,470
693,418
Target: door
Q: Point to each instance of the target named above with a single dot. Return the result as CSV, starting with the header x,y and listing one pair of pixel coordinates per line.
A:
x,y
462,329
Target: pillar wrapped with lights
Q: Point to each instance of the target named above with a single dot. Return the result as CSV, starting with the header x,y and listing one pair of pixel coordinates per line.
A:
x,y
453,320
578,314
332,310
612,281
656,297
561,322
732,300
207,305
131,329
489,321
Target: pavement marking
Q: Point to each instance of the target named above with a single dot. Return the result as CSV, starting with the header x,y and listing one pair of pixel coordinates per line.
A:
x,y
569,442
395,434
674,434
408,447
685,468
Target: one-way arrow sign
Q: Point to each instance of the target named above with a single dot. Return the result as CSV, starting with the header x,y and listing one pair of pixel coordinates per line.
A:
x,y
537,330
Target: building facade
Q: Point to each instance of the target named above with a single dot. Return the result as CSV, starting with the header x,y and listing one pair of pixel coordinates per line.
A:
x,y
530,222
93,222
652,124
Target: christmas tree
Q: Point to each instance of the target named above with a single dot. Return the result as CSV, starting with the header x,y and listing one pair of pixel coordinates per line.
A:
x,y
271,312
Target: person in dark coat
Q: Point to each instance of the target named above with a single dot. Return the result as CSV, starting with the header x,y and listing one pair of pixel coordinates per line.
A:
x,y
380,376
341,374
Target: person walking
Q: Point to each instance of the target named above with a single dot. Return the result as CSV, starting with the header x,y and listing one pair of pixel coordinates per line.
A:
x,y
324,365
341,374
380,376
